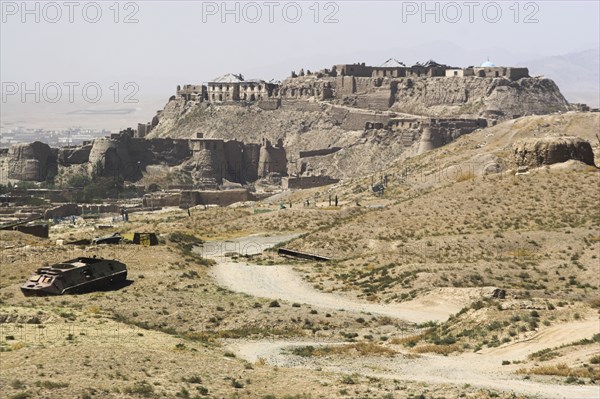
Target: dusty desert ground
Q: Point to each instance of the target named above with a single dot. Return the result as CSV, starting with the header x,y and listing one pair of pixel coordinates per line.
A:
x,y
404,309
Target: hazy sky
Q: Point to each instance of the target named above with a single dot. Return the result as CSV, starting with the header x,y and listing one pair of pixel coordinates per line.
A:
x,y
187,42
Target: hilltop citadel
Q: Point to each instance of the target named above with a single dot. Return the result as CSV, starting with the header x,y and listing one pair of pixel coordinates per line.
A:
x,y
414,108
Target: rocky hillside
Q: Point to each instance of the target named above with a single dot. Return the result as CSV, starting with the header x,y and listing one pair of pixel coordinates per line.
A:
x,y
461,210
309,123
321,126
470,96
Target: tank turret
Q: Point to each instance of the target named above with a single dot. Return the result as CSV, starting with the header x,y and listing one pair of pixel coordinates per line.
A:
x,y
75,276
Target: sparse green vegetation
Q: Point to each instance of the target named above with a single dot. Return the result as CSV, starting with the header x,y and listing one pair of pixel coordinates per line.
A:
x,y
141,388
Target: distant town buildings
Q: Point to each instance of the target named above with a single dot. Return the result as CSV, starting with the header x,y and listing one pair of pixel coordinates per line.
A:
x,y
55,138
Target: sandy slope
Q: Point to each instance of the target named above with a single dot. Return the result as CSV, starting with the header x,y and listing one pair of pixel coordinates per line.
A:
x,y
548,338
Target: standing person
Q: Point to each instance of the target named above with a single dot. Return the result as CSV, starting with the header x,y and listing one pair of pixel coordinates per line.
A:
x,y
126,215
336,201
329,199
189,213
122,214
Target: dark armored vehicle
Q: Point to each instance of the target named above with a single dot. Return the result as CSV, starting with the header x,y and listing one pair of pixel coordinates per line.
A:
x,y
75,276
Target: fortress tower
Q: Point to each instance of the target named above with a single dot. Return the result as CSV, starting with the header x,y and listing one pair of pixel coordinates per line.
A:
x,y
273,159
209,160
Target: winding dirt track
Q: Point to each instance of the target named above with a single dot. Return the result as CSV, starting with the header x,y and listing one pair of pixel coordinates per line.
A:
x,y
482,370
281,282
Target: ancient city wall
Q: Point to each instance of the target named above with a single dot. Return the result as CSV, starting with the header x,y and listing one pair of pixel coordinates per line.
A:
x,y
214,197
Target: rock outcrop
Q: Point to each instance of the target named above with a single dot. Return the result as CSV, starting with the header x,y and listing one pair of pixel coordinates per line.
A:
x,y
537,152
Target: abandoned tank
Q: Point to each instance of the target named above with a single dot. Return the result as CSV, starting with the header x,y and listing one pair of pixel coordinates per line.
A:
x,y
75,276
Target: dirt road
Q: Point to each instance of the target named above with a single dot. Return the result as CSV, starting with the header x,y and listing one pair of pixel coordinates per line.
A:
x,y
281,282
482,369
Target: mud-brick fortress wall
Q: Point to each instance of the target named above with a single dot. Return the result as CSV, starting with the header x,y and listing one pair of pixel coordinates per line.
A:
x,y
242,161
216,159
439,132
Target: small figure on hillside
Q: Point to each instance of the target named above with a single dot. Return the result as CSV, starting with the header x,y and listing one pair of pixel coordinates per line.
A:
x,y
336,200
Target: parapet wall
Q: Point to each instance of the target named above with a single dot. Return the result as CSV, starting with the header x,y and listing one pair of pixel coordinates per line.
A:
x,y
303,182
189,199
317,153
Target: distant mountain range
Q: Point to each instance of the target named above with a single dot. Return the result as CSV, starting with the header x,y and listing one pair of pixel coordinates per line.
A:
x,y
576,74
